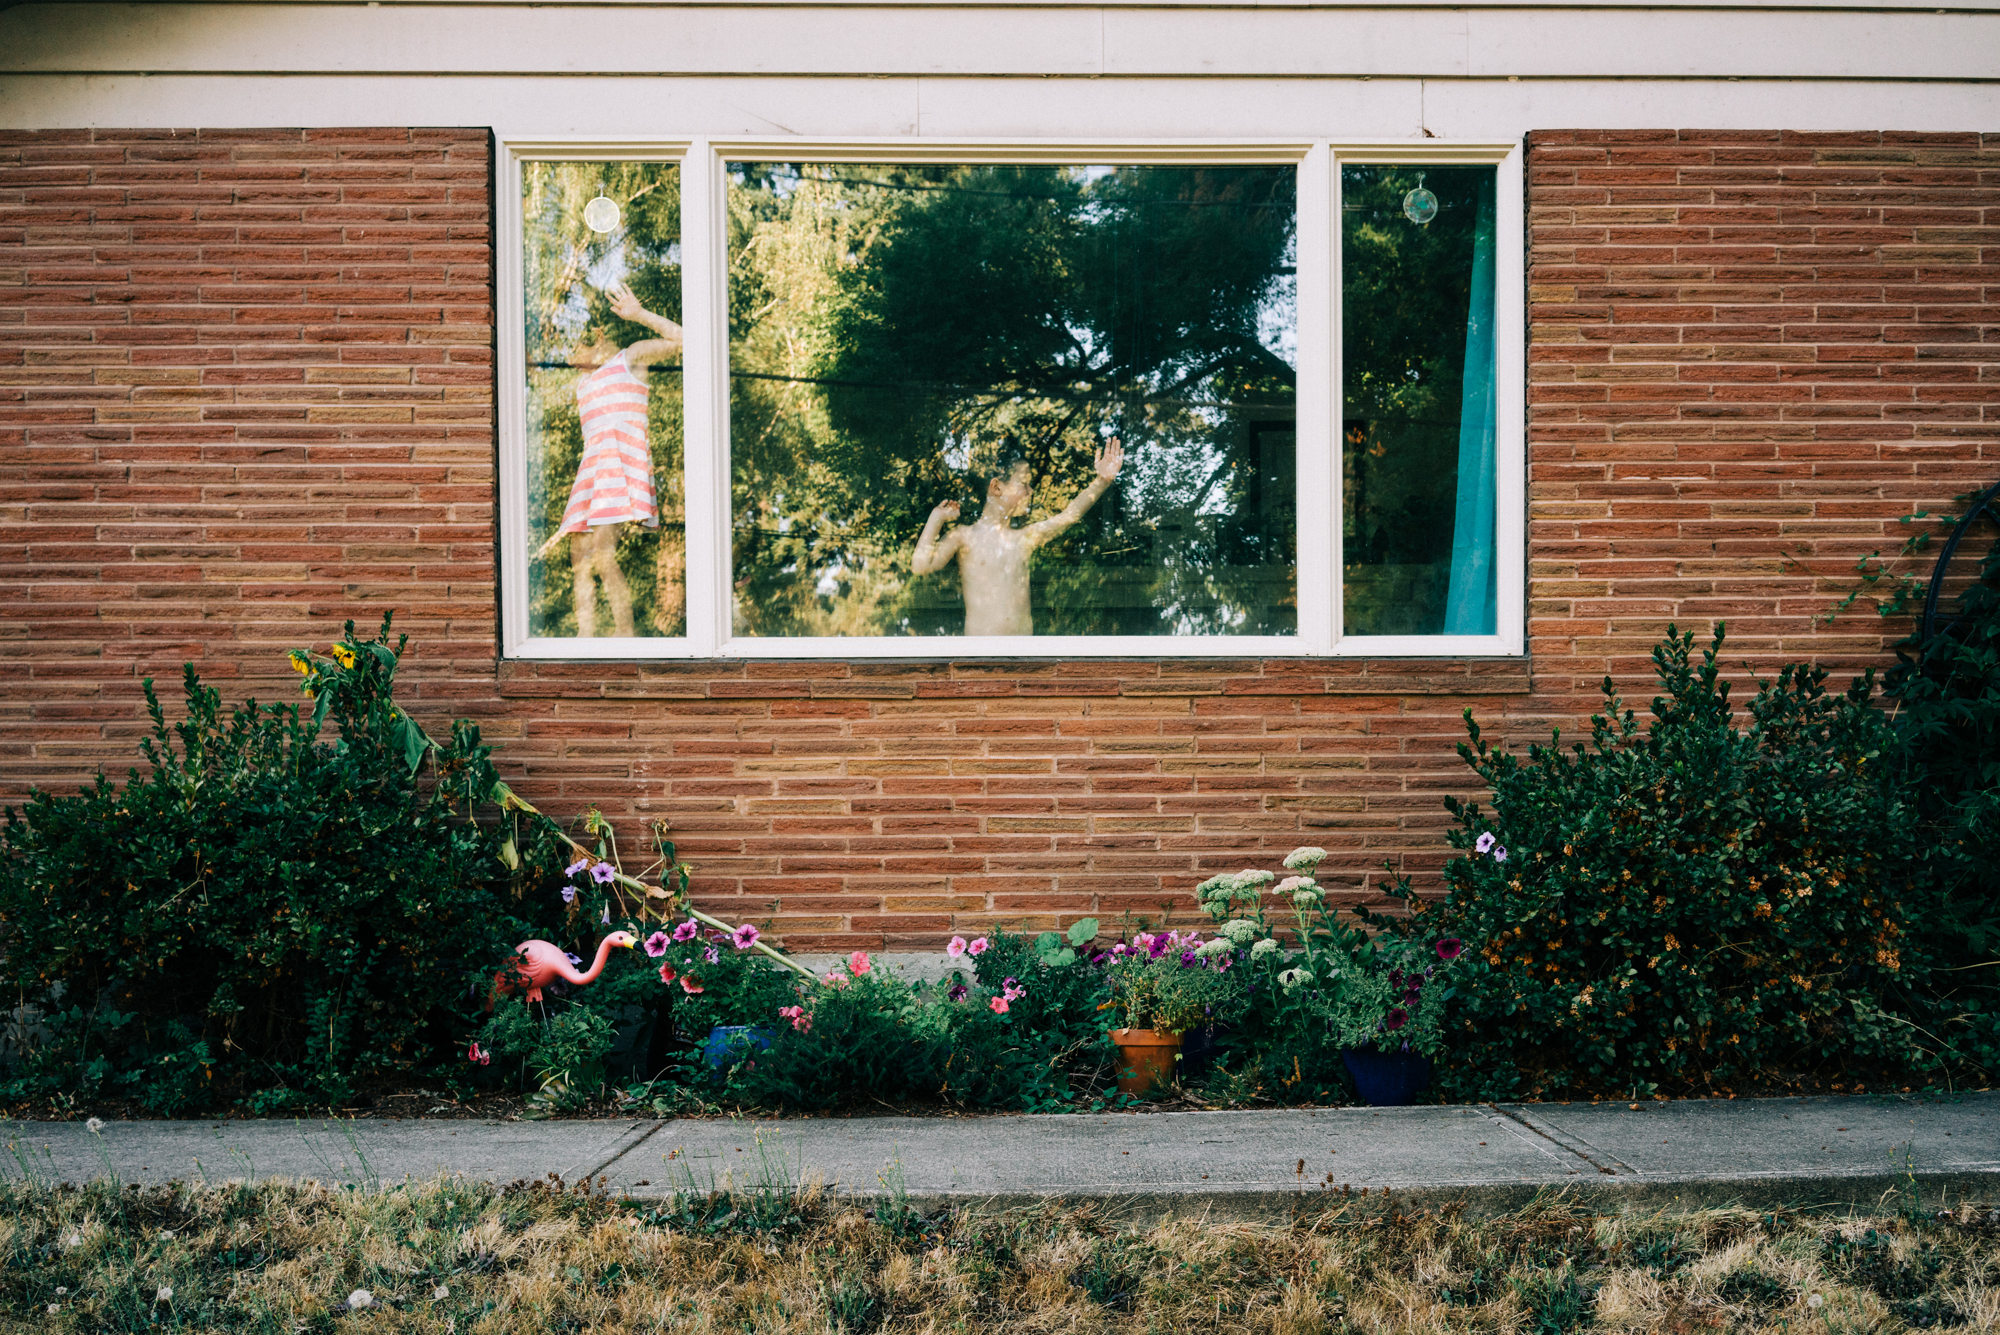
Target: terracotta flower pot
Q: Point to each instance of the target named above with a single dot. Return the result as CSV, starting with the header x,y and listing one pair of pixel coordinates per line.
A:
x,y
1145,1058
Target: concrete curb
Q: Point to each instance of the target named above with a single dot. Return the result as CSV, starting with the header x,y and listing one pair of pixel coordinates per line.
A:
x,y
1267,1165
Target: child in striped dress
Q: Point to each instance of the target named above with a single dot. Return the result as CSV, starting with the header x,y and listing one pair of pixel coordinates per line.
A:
x,y
614,482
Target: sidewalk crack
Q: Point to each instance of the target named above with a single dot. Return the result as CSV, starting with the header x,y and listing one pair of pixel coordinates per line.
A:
x,y
620,1151
1609,1165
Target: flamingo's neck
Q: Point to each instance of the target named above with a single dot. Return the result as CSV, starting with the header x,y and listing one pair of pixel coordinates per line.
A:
x,y
596,965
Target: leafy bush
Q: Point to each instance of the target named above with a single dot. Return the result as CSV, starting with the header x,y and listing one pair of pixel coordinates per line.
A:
x,y
1947,726
1682,907
272,903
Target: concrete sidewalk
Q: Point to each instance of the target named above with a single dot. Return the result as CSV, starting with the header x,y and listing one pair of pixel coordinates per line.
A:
x,y
1831,1151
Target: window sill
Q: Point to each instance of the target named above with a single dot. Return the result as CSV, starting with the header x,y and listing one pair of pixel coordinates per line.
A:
x,y
947,678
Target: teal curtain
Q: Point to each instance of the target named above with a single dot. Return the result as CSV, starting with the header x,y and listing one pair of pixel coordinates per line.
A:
x,y
1471,607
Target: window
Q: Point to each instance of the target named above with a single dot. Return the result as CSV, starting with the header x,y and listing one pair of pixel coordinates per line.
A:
x,y
784,399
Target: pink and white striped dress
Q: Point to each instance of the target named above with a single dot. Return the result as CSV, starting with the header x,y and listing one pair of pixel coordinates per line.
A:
x,y
614,483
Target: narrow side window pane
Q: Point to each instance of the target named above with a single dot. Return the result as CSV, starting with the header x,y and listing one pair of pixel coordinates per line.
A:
x,y
606,521
1008,400
1418,467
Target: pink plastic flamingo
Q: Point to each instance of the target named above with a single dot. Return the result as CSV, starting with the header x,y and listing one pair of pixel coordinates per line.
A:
x,y
541,963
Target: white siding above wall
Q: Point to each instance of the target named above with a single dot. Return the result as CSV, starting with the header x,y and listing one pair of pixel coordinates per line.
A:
x,y
993,108
1379,41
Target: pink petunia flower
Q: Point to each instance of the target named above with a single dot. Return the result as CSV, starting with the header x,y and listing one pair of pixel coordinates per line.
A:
x,y
690,985
744,937
656,944
857,963
998,1005
478,1054
978,946
797,1015
687,931
834,978
667,973
955,947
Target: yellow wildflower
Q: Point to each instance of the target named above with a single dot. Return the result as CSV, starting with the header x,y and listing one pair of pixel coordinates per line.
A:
x,y
343,655
300,663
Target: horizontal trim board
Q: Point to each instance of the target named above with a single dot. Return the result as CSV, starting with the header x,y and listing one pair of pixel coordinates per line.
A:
x,y
1102,109
973,40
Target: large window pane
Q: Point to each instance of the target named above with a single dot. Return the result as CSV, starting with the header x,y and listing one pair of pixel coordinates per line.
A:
x,y
929,367
602,276
1417,339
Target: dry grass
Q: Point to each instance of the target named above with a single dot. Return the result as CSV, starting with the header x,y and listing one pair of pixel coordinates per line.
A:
x,y
451,1256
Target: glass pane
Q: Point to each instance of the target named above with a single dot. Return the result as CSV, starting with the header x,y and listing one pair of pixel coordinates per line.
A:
x,y
1051,400
607,546
1418,439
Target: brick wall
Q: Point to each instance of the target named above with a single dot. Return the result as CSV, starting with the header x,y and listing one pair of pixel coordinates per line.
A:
x,y
246,392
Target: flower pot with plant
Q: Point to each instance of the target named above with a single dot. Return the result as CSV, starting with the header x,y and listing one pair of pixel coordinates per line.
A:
x,y
1389,1015
1161,987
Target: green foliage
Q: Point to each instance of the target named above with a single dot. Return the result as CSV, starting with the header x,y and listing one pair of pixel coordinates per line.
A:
x,y
272,902
870,1039
1947,718
1685,906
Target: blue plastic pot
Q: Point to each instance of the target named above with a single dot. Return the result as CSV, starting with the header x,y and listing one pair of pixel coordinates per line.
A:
x,y
728,1044
1387,1079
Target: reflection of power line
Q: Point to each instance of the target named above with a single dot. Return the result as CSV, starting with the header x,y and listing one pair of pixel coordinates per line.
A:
x,y
927,187
998,395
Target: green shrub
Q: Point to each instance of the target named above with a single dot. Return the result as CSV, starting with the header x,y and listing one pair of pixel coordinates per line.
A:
x,y
1686,906
871,1039
1947,724
272,903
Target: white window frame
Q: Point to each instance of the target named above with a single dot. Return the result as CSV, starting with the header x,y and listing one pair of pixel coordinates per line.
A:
x,y
705,396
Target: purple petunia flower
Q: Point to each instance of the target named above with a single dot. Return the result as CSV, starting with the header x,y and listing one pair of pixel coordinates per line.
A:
x,y
1450,948
1484,842
957,992
1157,946
575,867
575,961
744,937
656,944
569,894
1395,1019
687,931
712,955
603,873
1499,854
1187,957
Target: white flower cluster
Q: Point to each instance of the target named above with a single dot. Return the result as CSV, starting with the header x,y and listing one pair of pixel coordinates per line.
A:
x,y
1220,945
1295,978
1240,931
1267,946
1304,859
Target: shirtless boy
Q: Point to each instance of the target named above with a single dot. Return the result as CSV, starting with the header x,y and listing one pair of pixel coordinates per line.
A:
x,y
993,555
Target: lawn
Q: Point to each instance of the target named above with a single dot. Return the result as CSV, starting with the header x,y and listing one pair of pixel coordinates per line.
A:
x,y
459,1257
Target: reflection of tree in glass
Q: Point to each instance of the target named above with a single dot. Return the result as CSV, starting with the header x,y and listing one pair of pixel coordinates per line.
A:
x,y
900,334
568,272
1405,292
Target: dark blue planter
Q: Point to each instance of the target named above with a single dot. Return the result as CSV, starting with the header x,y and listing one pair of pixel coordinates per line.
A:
x,y
1386,1079
728,1044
